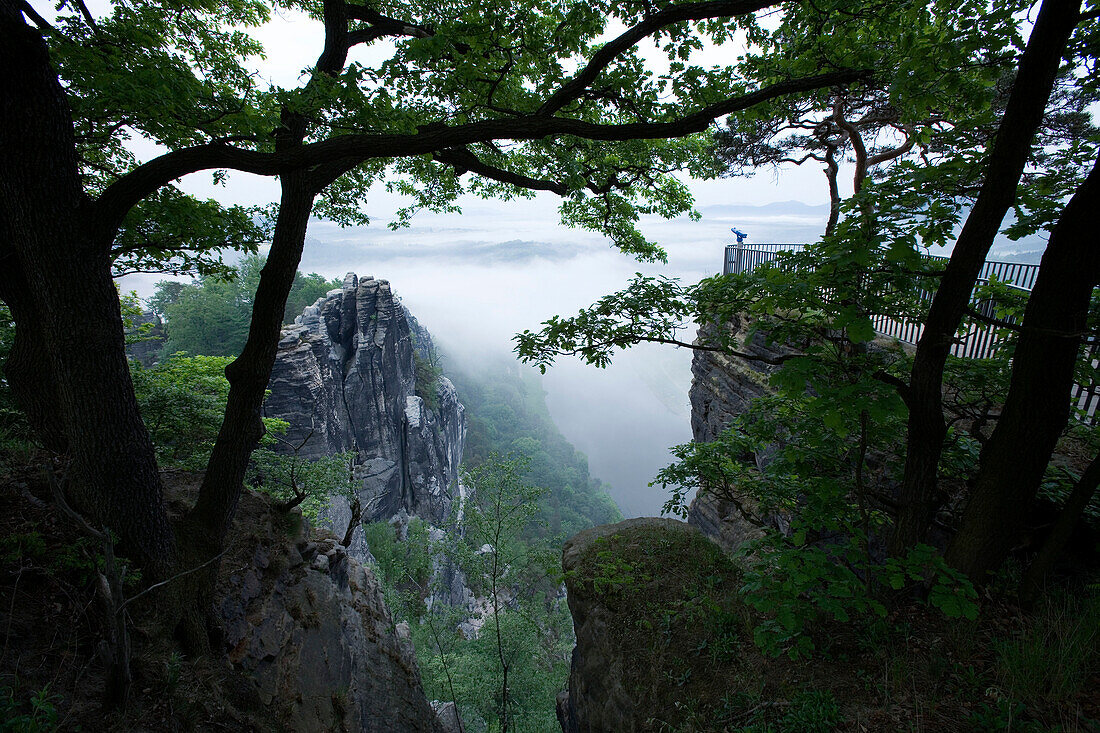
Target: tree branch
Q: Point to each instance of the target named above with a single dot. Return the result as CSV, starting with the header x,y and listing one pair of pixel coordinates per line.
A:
x,y
671,15
351,150
857,144
892,153
86,14
38,20
464,161
382,25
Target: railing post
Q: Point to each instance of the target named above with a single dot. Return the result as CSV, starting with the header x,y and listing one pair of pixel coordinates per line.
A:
x,y
737,257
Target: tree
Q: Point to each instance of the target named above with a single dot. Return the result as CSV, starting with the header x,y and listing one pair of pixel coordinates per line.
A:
x,y
466,89
516,576
210,317
294,481
1038,153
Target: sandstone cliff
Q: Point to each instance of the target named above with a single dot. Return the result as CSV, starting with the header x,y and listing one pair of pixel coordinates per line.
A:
x,y
657,622
721,388
309,629
345,378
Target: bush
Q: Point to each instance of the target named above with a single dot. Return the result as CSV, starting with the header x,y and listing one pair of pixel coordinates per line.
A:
x,y
182,401
293,480
1051,661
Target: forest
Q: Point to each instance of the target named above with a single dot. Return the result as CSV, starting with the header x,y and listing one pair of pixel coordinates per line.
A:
x,y
891,492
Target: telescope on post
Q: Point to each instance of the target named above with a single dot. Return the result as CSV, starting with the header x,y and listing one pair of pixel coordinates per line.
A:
x,y
741,236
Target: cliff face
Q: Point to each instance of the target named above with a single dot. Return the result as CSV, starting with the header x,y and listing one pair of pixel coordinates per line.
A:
x,y
345,378
646,596
721,388
308,627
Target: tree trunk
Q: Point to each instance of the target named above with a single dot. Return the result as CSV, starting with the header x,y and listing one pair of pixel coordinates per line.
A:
x,y
1039,65
1060,534
28,369
249,373
1038,404
831,171
45,226
353,523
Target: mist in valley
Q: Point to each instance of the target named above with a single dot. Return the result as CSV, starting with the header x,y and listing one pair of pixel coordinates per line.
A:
x,y
475,280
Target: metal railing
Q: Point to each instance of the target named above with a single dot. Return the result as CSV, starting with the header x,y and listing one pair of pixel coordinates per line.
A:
x,y
745,257
981,339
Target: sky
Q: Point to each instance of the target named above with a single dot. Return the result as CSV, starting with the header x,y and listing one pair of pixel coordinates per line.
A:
x,y
475,279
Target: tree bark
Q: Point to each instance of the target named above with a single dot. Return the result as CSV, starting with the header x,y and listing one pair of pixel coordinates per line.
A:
x,y
353,523
1060,534
249,373
919,500
831,171
1038,404
46,226
28,369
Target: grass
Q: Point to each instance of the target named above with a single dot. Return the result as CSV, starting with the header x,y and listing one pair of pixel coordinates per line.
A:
x,y
1047,663
684,644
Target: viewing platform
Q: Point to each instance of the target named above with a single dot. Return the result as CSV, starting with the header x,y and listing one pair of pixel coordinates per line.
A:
x,y
981,339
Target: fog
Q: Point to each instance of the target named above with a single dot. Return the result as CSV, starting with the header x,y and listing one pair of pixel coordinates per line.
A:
x,y
476,279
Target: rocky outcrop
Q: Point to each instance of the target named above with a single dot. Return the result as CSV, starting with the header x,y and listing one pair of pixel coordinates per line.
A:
x,y
345,378
308,627
643,594
722,387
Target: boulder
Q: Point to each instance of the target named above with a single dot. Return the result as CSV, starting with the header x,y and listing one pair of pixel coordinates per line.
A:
x,y
644,595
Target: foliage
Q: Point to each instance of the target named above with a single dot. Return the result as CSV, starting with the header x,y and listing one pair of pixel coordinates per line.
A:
x,y
37,715
174,233
1051,660
183,79
428,373
310,483
519,580
501,507
836,416
812,711
133,321
512,668
538,642
400,561
211,316
182,400
679,620
506,408
819,480
175,79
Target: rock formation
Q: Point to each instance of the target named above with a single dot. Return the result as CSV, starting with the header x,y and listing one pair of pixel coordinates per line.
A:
x,y
641,593
309,629
345,378
721,388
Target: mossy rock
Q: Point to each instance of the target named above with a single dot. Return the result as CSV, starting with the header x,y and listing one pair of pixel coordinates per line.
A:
x,y
656,613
